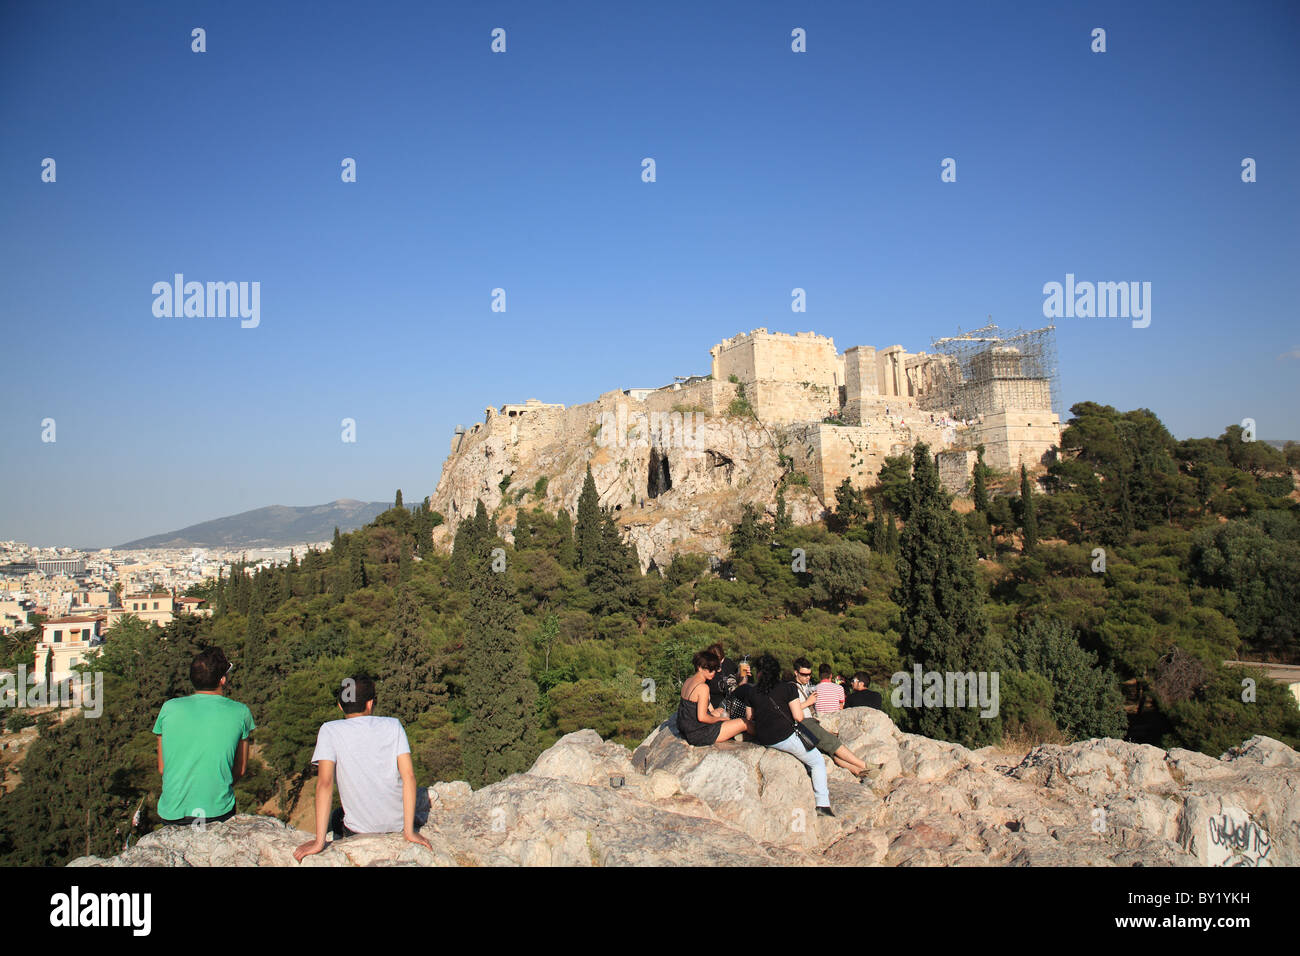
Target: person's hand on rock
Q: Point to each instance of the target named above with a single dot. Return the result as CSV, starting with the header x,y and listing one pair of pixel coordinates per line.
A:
x,y
310,848
413,837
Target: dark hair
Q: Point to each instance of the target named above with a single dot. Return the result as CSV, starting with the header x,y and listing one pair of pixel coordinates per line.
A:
x,y
824,671
862,676
802,664
208,668
718,650
354,692
769,673
705,660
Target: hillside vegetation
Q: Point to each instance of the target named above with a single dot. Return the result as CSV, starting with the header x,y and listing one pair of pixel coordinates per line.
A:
x,y
490,654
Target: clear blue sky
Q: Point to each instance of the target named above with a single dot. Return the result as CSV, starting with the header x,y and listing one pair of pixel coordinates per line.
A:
x,y
522,171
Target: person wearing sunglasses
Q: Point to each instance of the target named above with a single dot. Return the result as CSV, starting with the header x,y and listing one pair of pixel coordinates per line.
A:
x,y
203,742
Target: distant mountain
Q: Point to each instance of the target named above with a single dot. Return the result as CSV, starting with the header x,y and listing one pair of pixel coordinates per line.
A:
x,y
269,527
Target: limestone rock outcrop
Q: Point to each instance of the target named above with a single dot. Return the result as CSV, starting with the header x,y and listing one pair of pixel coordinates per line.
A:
x,y
674,481
589,802
678,463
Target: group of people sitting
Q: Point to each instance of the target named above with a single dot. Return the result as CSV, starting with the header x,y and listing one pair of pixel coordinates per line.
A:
x,y
203,742
723,700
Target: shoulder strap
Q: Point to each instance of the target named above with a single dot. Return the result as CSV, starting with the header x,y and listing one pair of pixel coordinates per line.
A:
x,y
788,716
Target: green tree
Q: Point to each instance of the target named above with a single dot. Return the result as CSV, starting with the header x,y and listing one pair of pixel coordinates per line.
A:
x,y
1086,699
410,678
838,572
892,485
979,476
612,570
747,533
498,690
942,625
589,522
357,578
567,551
1028,520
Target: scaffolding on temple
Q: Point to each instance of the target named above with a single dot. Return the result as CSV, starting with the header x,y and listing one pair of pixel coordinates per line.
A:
x,y
991,370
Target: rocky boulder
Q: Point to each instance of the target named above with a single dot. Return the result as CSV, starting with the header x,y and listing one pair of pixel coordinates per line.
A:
x,y
589,802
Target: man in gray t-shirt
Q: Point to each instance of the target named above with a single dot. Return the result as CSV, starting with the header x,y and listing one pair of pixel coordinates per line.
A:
x,y
373,762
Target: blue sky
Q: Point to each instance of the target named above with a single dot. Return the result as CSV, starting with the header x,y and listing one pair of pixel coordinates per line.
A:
x,y
522,171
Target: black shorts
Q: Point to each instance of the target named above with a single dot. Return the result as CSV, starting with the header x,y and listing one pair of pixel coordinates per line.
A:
x,y
336,825
190,821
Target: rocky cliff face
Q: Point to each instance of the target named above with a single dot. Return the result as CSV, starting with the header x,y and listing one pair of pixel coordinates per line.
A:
x,y
705,471
586,802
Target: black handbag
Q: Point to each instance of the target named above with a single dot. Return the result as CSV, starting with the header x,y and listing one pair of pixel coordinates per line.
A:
x,y
806,736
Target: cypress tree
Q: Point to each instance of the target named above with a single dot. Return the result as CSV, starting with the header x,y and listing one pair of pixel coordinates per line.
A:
x,y
609,578
1028,520
270,581
980,492
891,536
589,522
340,573
256,678
942,623
220,601
356,569
403,560
397,502
567,552
783,519
245,587
879,539
410,675
499,691
338,540
747,532
470,534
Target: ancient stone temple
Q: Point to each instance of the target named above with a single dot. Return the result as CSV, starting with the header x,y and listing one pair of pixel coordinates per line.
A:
x,y
676,464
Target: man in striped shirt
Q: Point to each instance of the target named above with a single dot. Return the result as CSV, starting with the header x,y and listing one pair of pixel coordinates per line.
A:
x,y
830,695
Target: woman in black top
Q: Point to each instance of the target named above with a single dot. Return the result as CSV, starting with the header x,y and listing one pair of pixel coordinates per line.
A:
x,y
773,719
698,722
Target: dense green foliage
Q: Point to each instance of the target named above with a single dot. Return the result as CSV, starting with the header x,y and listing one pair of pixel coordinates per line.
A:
x,y
942,624
1155,561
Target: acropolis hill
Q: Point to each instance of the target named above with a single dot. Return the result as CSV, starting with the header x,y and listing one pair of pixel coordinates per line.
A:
x,y
678,463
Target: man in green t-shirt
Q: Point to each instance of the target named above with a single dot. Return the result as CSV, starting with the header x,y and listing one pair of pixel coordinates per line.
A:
x,y
202,746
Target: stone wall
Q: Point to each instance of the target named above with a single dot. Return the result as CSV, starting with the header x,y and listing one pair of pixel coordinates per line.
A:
x,y
1013,438
784,402
1000,394
828,454
956,467
713,398
761,355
